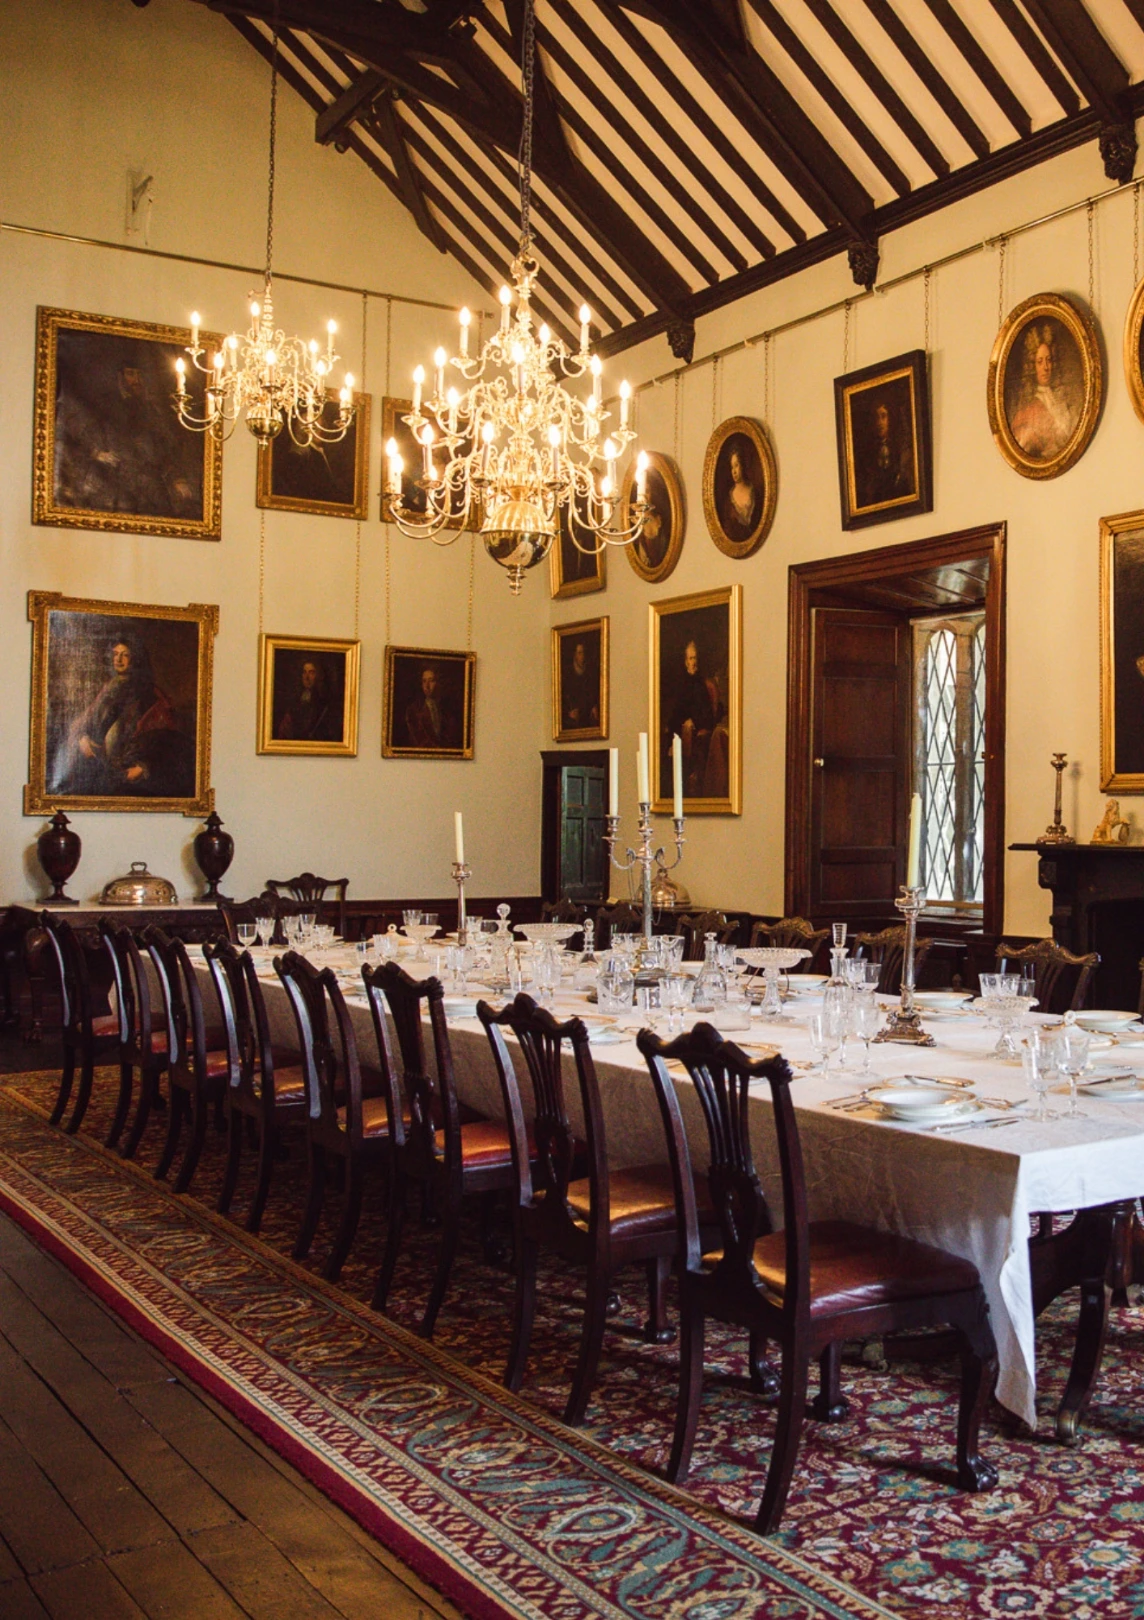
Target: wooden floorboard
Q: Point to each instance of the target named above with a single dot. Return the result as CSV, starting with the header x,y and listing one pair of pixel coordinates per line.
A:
x,y
125,1492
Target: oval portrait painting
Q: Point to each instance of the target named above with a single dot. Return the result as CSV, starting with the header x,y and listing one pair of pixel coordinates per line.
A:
x,y
655,550
1134,350
1046,385
740,486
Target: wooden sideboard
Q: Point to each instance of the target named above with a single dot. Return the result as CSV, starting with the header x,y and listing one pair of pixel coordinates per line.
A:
x,y
1098,905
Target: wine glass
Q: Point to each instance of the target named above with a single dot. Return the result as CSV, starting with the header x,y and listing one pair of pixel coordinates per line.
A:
x,y
1038,1060
1072,1044
674,992
265,928
821,1040
865,1022
246,935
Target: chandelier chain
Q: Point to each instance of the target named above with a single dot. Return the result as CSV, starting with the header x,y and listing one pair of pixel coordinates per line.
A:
x,y
528,67
261,564
273,147
388,525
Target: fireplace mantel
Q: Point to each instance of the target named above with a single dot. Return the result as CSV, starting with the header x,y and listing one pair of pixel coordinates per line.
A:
x,y
1098,905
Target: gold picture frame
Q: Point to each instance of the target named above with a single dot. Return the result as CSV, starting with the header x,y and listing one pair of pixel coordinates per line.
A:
x,y
109,451
695,681
308,695
1134,349
573,572
423,720
740,486
580,681
655,551
323,480
121,706
885,447
1122,653
394,426
1045,385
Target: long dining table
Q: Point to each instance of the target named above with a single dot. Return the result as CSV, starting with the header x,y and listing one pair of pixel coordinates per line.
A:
x,y
970,1186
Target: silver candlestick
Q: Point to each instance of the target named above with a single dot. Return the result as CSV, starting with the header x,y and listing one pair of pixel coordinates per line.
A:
x,y
461,872
905,1023
646,858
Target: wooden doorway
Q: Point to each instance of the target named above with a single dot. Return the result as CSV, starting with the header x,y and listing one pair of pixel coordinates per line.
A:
x,y
849,718
573,861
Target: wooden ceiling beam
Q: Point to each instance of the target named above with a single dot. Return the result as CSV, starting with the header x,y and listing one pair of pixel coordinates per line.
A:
x,y
1084,53
680,96
699,177
388,128
958,115
991,78
759,99
357,98
887,97
1042,60
772,18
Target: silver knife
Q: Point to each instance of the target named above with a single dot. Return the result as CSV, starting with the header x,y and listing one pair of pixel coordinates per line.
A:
x,y
973,1125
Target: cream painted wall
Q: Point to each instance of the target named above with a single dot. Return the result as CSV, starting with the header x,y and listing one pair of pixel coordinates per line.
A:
x,y
1053,551
94,88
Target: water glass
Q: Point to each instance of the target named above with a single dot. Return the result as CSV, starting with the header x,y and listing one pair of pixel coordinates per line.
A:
x,y
647,1001
265,928
431,919
1072,1059
546,972
822,1042
411,918
674,995
614,984
458,963
246,935
1000,984
1038,1060
673,947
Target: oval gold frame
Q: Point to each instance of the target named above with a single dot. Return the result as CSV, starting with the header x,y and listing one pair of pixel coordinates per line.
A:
x,y
1133,374
1083,329
669,472
757,434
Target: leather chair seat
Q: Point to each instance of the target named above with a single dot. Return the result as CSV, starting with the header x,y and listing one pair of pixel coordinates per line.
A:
x,y
640,1200
218,1065
485,1145
852,1267
105,1024
289,1085
374,1115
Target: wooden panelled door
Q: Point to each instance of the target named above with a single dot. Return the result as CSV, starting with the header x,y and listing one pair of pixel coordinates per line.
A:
x,y
582,832
861,663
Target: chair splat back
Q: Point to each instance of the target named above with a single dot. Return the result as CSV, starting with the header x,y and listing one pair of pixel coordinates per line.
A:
x,y
329,1051
1062,979
121,979
71,969
225,967
431,1097
722,1075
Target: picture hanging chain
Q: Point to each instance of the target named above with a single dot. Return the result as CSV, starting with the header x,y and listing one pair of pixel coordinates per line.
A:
x,y
357,527
261,563
715,393
388,531
1091,215
1136,234
1002,245
846,337
926,310
678,413
768,395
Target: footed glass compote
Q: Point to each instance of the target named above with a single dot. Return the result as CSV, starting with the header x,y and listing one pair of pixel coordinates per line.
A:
x,y
549,933
420,934
1005,1013
774,960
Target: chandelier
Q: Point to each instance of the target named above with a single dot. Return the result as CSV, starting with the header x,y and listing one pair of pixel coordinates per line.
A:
x,y
516,450
271,380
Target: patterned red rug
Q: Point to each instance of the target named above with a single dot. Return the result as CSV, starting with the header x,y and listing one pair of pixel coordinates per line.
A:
x,y
509,1513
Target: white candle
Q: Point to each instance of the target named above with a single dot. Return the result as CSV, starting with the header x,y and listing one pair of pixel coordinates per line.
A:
x,y
585,323
459,837
641,770
439,359
914,858
418,380
195,323
677,776
613,781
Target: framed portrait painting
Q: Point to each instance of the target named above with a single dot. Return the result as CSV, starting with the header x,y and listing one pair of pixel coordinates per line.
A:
x,y
740,486
429,702
307,695
413,498
326,480
885,454
109,451
695,647
1045,385
1122,653
576,570
580,681
655,550
121,706
1134,350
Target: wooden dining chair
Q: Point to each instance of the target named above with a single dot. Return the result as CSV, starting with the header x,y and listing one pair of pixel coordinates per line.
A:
x,y
807,1287
197,1067
448,1153
87,1037
697,926
1062,979
620,918
341,1123
603,1221
562,911
310,891
794,933
265,1084
142,1038
888,948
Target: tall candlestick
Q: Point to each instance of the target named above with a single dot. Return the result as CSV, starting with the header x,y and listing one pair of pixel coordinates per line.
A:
x,y
642,770
677,776
459,837
613,781
914,858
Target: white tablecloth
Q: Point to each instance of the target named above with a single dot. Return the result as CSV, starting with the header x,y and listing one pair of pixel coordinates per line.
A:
x,y
971,1193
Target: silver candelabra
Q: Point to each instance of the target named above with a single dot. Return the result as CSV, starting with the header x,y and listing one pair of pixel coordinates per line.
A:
x,y
904,1023
461,873
646,858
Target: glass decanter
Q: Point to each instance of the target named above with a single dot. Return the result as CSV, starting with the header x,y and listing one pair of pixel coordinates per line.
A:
x,y
711,985
587,967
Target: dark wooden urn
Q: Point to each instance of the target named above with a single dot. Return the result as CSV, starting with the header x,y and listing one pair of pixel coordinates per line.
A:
x,y
214,851
59,851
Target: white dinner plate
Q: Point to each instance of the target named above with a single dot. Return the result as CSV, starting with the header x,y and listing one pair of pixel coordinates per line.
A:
x,y
1105,1019
460,1007
1121,1088
922,1104
609,1035
807,981
941,1000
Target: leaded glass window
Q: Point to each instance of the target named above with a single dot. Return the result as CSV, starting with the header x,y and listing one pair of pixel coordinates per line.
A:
x,y
949,686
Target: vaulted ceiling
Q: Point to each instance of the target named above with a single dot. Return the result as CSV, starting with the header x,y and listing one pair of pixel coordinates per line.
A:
x,y
688,151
